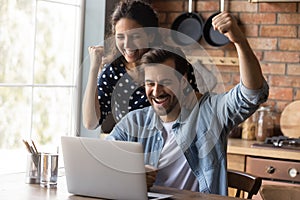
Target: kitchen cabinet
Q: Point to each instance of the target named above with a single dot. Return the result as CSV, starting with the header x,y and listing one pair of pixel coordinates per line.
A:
x,y
236,162
240,152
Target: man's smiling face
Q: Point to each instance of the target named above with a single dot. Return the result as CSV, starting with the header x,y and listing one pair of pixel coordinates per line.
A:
x,y
163,89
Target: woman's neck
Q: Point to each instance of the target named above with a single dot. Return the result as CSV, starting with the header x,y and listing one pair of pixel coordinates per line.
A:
x,y
130,66
133,72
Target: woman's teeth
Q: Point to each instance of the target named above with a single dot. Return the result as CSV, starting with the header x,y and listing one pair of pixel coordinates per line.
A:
x,y
130,52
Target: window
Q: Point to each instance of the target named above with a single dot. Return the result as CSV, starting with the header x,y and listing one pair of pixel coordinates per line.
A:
x,y
40,63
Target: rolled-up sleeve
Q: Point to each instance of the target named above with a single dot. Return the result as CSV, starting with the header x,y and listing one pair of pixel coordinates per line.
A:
x,y
256,96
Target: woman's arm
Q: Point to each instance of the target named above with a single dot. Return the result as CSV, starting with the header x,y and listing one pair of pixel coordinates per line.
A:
x,y
90,105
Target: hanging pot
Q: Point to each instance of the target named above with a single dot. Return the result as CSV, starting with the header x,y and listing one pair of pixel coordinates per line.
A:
x,y
189,25
211,36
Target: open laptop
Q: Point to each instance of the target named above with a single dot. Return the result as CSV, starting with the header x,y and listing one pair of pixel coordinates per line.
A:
x,y
105,169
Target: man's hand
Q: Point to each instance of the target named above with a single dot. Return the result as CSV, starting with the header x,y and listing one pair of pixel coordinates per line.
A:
x,y
151,173
227,24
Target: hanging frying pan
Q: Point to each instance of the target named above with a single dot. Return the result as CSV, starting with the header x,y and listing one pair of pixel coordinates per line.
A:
x,y
211,36
187,27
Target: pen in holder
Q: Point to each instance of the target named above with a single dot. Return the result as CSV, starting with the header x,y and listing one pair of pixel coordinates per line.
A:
x,y
33,168
41,168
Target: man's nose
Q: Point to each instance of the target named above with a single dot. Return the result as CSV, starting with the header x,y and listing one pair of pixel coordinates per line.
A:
x,y
157,89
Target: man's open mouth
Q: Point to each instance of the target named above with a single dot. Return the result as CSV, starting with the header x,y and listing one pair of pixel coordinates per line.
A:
x,y
161,99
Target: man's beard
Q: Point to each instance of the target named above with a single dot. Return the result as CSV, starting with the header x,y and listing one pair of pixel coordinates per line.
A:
x,y
162,111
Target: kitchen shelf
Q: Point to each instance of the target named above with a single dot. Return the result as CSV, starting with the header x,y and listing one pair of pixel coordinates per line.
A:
x,y
232,61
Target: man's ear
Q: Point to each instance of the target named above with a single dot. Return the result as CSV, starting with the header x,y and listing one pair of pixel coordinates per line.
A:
x,y
185,85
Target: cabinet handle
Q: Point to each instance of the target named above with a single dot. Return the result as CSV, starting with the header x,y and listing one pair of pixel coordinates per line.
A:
x,y
270,170
293,172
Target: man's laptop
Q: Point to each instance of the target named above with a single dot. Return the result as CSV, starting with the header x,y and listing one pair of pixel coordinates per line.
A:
x,y
105,169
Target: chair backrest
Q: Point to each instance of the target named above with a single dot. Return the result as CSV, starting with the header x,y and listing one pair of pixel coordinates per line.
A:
x,y
243,182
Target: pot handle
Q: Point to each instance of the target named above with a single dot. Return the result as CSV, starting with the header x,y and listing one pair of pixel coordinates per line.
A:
x,y
190,6
222,5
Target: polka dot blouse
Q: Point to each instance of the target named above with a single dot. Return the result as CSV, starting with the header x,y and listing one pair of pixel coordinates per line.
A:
x,y
119,94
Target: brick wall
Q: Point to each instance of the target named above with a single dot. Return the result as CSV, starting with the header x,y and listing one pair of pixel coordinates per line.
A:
x,y
273,30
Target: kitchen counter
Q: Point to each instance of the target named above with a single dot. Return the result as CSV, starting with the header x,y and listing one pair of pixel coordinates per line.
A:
x,y
243,157
243,147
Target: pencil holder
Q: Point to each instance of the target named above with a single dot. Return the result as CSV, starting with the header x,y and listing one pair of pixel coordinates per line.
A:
x,y
33,168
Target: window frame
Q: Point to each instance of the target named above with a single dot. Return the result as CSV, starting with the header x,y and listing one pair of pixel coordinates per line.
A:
x,y
96,25
91,31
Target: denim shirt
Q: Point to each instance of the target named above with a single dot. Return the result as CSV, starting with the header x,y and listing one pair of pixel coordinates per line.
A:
x,y
201,132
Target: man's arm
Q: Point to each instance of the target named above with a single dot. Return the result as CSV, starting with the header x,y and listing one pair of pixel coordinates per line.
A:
x,y
250,71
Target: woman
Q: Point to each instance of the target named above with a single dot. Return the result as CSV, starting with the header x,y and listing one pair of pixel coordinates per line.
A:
x,y
117,90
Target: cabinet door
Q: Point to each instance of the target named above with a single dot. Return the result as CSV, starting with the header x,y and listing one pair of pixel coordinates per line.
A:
x,y
235,162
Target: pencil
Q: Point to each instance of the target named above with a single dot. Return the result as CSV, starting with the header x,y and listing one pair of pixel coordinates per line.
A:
x,y
27,146
36,151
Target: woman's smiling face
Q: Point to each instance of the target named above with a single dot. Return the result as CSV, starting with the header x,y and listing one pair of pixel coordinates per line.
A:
x,y
131,39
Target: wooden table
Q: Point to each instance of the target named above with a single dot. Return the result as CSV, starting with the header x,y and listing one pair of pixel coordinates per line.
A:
x,y
13,187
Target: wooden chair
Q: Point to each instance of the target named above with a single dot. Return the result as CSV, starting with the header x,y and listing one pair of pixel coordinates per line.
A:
x,y
243,182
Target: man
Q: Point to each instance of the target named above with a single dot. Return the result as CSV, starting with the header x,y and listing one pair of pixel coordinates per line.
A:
x,y
188,147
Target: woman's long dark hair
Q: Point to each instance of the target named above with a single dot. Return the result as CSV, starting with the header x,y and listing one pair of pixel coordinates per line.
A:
x,y
139,11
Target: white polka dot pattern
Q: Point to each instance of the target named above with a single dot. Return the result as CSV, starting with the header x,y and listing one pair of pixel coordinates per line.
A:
x,y
117,89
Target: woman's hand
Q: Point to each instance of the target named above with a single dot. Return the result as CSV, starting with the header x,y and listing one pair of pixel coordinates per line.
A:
x,y
96,56
151,173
